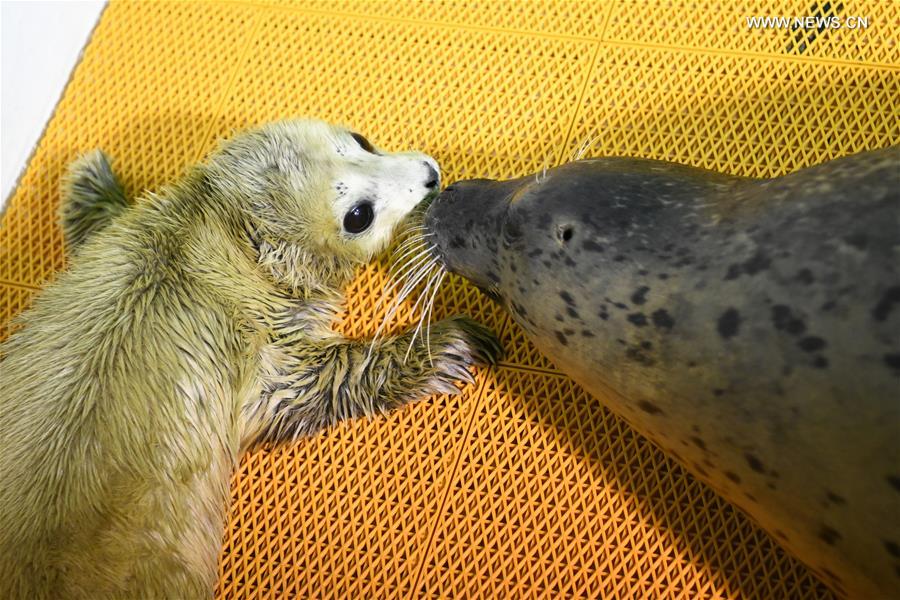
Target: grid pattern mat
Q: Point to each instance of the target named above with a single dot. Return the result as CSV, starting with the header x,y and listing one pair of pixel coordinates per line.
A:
x,y
523,486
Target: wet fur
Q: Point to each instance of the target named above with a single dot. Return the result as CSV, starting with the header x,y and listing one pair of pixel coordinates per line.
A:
x,y
189,327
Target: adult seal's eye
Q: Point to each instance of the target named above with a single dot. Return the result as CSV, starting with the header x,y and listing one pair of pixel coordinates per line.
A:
x,y
359,218
363,143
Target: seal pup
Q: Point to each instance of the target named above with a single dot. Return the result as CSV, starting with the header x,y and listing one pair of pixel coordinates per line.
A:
x,y
189,327
749,327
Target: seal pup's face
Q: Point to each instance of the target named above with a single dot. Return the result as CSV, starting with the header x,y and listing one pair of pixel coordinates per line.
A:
x,y
318,196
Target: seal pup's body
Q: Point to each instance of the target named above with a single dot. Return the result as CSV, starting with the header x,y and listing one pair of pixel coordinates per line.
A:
x,y
749,327
192,326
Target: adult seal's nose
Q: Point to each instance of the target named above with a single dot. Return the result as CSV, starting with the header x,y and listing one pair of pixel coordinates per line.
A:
x,y
464,224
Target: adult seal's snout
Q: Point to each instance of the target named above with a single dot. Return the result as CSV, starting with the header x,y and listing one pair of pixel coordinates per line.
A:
x,y
749,327
465,221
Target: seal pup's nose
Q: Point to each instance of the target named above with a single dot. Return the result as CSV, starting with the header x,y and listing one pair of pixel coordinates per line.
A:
x,y
434,179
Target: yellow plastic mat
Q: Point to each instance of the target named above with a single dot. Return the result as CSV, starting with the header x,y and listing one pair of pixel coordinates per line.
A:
x,y
523,486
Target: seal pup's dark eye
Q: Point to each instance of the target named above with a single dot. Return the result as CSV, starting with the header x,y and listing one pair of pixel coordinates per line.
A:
x,y
363,143
359,218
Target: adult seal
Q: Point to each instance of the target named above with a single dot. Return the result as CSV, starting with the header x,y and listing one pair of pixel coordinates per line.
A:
x,y
749,327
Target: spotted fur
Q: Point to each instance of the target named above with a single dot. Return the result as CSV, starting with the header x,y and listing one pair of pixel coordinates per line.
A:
x,y
749,327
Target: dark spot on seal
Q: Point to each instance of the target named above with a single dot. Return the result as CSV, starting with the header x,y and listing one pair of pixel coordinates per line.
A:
x,y
547,263
811,344
828,535
591,246
698,442
663,276
750,497
650,408
894,480
734,271
733,476
759,262
519,309
603,315
784,320
586,333
568,332
892,361
718,392
647,345
567,298
639,357
562,338
640,295
569,262
829,305
559,317
834,498
637,319
886,304
572,312
662,319
755,463
493,277
535,253
457,242
620,305
805,276
857,240
619,258
820,362
700,470
729,323
892,548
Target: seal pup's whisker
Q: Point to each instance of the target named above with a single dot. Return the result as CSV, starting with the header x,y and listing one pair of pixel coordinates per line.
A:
x,y
406,273
412,254
437,286
414,278
425,291
407,259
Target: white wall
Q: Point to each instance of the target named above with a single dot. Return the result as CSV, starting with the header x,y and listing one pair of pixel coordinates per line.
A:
x,y
41,43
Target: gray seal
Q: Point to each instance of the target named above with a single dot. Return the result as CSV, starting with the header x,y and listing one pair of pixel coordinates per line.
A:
x,y
751,328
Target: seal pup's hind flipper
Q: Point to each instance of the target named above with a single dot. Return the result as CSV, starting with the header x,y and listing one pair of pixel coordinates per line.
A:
x,y
91,197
